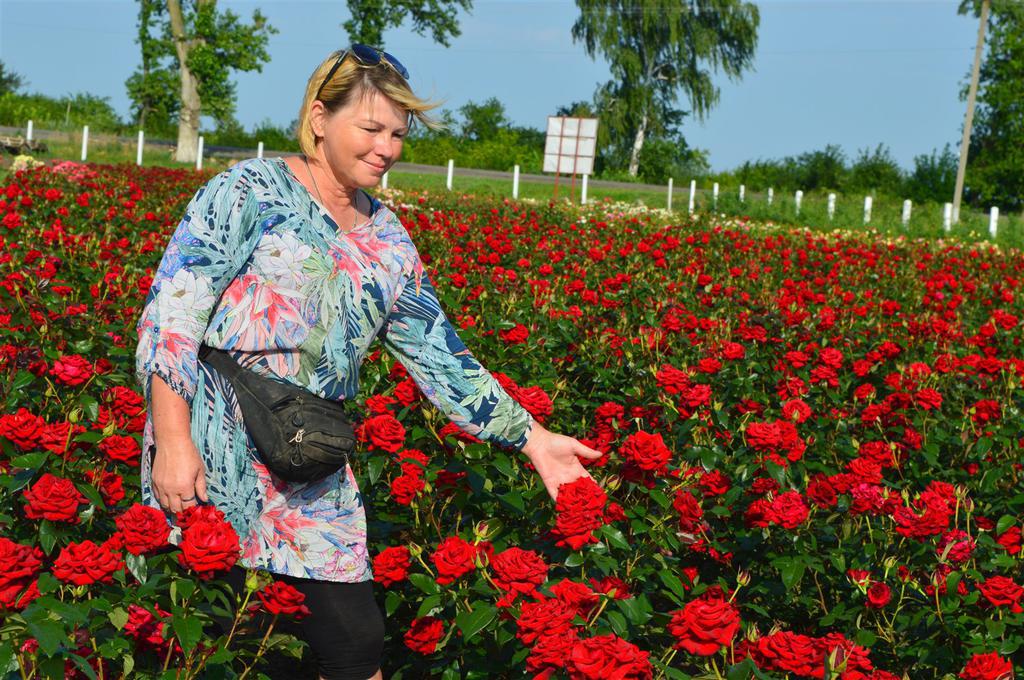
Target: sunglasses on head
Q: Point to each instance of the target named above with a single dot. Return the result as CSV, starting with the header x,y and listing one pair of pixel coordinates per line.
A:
x,y
368,56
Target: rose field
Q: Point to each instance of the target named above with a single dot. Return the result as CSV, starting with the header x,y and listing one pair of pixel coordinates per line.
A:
x,y
812,440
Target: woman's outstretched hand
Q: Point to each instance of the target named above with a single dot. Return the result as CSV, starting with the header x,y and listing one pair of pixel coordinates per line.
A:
x,y
554,457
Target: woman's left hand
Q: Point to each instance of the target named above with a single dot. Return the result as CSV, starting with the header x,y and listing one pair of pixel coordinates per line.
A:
x,y
554,457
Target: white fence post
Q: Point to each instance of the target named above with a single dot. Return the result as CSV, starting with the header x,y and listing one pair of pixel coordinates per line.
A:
x,y
138,152
199,153
798,197
831,206
867,209
583,191
28,134
771,195
669,198
515,182
907,207
85,142
384,181
451,171
714,196
259,150
743,191
947,216
693,195
993,222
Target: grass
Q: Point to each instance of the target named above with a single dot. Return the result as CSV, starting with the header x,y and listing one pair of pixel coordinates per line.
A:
x,y
926,219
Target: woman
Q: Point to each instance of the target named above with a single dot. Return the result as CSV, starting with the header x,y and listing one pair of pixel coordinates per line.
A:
x,y
294,270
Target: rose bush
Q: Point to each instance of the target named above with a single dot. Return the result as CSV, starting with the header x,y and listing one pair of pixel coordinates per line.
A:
x,y
813,452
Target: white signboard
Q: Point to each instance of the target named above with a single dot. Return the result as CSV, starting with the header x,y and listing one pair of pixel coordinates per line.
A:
x,y
571,145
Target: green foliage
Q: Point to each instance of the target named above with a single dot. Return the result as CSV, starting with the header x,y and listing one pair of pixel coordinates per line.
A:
x,y
995,165
215,44
9,80
933,177
662,158
482,121
873,170
656,50
371,18
64,113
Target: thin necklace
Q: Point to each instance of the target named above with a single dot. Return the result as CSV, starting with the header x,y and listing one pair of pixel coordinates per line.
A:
x,y
355,211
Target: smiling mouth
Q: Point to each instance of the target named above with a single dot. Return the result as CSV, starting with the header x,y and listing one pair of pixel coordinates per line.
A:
x,y
376,167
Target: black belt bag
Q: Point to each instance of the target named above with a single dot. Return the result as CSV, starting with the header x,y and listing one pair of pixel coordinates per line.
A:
x,y
299,436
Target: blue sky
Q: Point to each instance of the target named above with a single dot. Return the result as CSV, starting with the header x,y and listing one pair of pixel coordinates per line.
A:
x,y
849,72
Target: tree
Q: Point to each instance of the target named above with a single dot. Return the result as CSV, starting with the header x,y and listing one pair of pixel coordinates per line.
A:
x,y
482,121
657,49
875,171
933,177
370,18
203,46
995,168
9,80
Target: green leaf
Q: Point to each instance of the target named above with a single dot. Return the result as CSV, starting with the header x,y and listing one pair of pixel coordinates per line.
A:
x,y
90,406
48,534
865,638
188,629
792,572
472,622
574,559
614,537
617,621
118,617
391,602
637,609
21,380
429,603
83,666
30,461
424,582
515,499
1004,523
49,633
8,664
376,466
1009,646
673,583
743,671
91,493
137,566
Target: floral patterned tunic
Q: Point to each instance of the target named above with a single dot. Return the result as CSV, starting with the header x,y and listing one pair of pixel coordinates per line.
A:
x,y
259,268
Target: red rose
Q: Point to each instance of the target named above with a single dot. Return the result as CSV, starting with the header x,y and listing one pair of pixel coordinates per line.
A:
x,y
407,393
796,410
706,624
547,616
577,596
453,558
536,401
424,634
23,428
125,401
786,651
608,656
518,572
647,451
405,487
72,370
580,510
208,544
1010,540
19,566
613,586
688,507
144,528
671,379
820,491
879,595
121,448
111,486
59,437
1001,591
282,598
412,461
383,432
85,563
516,335
550,652
956,546
378,404
53,498
788,510
989,666
391,566
148,630
714,483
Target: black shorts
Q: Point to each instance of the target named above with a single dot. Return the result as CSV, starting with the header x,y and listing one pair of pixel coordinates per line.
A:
x,y
345,627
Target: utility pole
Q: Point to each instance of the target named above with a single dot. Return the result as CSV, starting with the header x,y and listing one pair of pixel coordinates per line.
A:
x,y
972,93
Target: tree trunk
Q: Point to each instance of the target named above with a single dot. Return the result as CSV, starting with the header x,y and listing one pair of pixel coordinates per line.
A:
x,y
638,143
191,105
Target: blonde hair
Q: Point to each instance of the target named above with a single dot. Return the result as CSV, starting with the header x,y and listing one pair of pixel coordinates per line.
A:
x,y
352,79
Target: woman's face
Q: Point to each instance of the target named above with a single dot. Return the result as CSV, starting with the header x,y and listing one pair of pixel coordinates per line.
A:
x,y
362,140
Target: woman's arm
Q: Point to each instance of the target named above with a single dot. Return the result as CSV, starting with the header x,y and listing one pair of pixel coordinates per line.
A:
x,y
178,471
419,335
